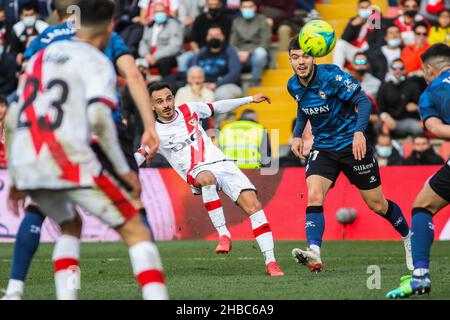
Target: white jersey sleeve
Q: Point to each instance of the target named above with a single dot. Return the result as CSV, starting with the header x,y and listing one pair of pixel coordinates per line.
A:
x,y
203,110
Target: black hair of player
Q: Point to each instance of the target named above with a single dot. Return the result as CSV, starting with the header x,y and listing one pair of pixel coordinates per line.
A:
x,y
94,12
62,6
157,86
30,6
3,100
436,50
293,45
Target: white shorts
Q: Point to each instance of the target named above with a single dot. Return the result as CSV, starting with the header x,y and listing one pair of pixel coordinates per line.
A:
x,y
106,200
230,178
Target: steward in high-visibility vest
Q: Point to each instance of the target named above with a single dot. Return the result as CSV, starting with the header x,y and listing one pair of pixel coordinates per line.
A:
x,y
241,141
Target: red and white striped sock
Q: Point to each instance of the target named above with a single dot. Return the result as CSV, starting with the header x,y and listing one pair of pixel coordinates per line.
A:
x,y
66,256
263,235
212,203
147,268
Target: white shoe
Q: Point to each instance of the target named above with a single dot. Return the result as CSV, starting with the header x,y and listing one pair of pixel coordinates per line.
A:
x,y
14,296
309,258
408,252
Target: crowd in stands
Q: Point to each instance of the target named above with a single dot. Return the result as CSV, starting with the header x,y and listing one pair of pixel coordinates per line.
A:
x,y
202,48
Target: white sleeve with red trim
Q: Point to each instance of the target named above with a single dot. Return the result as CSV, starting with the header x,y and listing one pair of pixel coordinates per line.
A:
x,y
206,110
100,84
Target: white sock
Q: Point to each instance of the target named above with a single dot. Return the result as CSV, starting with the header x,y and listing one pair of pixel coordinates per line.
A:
x,y
147,268
15,287
315,248
263,235
212,202
66,255
420,272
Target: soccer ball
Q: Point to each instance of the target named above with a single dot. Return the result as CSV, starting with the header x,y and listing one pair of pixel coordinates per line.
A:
x,y
317,38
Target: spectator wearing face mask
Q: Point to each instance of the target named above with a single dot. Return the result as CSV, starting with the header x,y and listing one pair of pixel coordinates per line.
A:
x,y
408,19
162,41
222,68
441,32
214,16
361,72
360,34
382,57
397,99
251,35
25,30
147,13
423,153
386,153
411,54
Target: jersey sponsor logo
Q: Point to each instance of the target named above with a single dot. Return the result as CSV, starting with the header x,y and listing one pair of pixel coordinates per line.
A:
x,y
311,111
178,146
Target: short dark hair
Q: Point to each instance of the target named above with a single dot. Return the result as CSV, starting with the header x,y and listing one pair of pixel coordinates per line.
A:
x,y
3,99
254,1
397,60
420,135
2,9
294,44
442,11
94,12
247,112
215,26
62,6
437,50
28,6
393,26
360,53
420,24
157,86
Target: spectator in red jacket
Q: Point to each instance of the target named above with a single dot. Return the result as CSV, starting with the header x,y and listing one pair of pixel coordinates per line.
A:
x,y
408,19
411,54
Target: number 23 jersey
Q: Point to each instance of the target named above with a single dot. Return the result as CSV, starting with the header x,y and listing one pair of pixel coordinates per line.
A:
x,y
50,148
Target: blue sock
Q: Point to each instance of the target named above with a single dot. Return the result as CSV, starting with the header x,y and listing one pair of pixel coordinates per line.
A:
x,y
315,225
422,237
395,216
143,215
27,242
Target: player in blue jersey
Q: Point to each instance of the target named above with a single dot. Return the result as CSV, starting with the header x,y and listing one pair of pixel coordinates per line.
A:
x,y
28,236
434,109
332,101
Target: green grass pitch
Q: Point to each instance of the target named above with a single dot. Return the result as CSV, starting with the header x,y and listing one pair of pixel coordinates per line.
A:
x,y
193,271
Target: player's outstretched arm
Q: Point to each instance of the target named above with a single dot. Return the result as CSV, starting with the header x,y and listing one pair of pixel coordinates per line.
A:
x,y
438,128
225,106
138,90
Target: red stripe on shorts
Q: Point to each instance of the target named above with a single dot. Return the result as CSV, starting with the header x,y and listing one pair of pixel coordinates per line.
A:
x,y
261,229
150,276
213,205
64,264
117,197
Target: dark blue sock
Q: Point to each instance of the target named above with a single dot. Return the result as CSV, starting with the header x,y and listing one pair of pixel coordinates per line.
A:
x,y
27,242
395,216
422,229
315,225
143,215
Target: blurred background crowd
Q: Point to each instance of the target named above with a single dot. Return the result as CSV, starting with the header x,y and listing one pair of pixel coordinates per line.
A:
x,y
221,49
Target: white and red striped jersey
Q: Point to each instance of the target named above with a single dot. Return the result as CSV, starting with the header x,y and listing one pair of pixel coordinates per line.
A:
x,y
184,143
50,147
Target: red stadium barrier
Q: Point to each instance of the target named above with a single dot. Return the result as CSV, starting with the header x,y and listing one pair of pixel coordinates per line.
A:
x,y
284,198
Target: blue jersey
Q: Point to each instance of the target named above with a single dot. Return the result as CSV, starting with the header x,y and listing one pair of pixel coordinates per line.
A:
x,y
326,103
115,49
435,100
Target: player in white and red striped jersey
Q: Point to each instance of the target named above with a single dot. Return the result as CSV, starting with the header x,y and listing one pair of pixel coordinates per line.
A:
x,y
68,94
192,154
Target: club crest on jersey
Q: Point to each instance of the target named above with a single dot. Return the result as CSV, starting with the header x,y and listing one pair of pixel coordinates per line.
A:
x,y
321,94
193,122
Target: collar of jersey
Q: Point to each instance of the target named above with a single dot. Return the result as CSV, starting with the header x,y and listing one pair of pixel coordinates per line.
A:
x,y
170,121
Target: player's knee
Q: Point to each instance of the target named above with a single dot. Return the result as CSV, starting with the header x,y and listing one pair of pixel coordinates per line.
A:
x,y
254,206
315,197
134,231
206,180
378,206
72,228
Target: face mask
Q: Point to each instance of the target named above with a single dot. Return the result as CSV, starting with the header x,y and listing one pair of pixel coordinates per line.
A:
x,y
361,72
248,13
364,13
214,12
395,43
29,21
214,43
160,17
384,152
411,13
